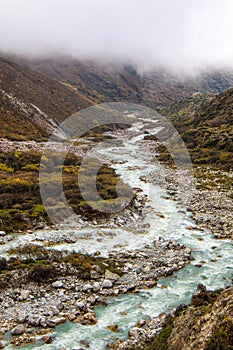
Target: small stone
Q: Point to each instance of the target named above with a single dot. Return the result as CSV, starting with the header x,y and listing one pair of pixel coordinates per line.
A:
x,y
113,328
71,316
21,318
107,284
96,287
18,330
47,339
87,287
150,284
24,294
59,320
2,233
111,276
80,305
57,284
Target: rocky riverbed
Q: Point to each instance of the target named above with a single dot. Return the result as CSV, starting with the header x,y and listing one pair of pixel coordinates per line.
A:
x,y
211,207
32,310
211,200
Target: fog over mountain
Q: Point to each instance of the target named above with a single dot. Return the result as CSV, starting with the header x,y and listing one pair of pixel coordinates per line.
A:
x,y
181,34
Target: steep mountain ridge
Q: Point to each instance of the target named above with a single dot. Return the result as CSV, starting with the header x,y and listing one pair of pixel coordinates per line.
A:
x,y
97,81
106,82
206,125
31,122
53,99
61,86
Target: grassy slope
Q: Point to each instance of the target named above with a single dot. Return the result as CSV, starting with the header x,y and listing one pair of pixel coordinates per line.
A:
x,y
206,125
29,86
20,204
206,324
26,128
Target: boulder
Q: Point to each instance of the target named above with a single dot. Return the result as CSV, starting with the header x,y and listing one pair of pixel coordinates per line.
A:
x,y
80,305
94,275
136,332
150,284
85,343
107,284
33,320
89,319
71,316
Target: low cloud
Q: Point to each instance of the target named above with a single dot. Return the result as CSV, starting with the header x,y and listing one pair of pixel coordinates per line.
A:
x,y
180,34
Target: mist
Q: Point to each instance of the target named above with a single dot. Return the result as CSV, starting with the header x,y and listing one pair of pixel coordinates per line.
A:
x,y
179,34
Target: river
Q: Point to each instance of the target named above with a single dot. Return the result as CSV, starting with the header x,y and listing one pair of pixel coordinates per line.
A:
x,y
132,161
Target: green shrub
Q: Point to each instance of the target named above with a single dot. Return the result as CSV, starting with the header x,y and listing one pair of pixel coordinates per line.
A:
x,y
222,337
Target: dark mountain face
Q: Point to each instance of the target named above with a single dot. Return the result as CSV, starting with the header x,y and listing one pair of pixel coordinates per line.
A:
x,y
96,81
22,88
107,82
34,92
52,97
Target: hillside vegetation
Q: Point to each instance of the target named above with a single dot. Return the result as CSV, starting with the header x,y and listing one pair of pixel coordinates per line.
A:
x,y
61,86
207,324
206,125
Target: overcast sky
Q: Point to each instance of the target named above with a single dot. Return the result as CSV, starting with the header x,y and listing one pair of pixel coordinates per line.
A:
x,y
178,33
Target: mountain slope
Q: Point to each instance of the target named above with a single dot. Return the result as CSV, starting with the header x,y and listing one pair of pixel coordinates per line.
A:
x,y
59,87
97,81
102,82
206,324
206,125
24,89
